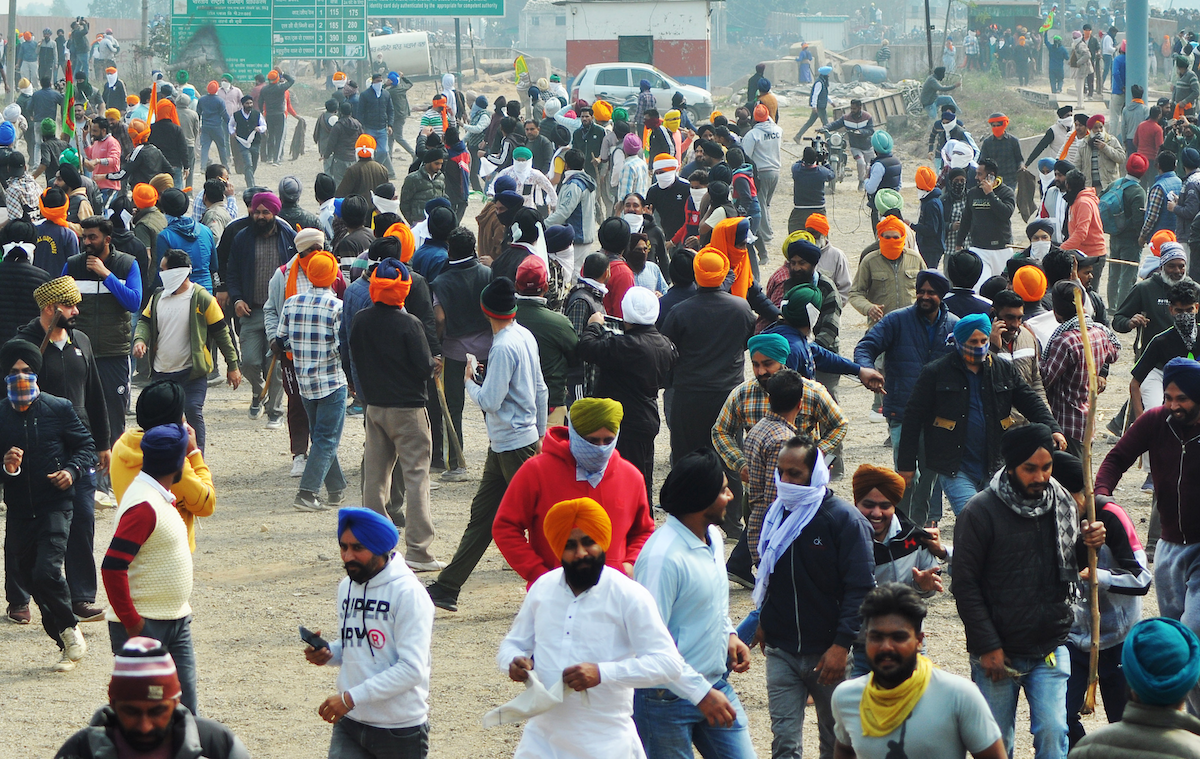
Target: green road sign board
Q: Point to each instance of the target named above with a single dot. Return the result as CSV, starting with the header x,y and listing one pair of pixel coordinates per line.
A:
x,y
436,7
250,34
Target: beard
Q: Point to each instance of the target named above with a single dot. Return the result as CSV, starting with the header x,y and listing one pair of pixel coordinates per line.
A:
x,y
148,741
1173,280
583,574
1185,417
264,226
891,670
926,305
1031,491
797,278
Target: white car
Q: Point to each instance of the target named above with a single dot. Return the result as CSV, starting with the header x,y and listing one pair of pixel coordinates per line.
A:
x,y
618,83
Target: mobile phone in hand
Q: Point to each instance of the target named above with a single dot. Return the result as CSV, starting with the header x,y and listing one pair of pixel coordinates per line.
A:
x,y
312,639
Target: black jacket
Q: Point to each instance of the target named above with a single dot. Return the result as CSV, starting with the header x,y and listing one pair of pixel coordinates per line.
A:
x,y
710,331
70,372
633,367
392,357
18,279
125,241
820,581
1006,580
938,408
987,219
169,139
52,438
147,164
191,737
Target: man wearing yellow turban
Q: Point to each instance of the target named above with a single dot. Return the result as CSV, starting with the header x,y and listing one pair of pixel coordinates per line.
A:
x,y
606,637
578,460
903,553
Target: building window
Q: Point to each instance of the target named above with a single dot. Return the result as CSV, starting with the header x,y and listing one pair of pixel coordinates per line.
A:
x,y
560,20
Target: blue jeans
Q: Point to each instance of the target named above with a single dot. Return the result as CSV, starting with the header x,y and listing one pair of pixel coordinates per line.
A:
x,y
1177,585
669,726
194,393
935,110
382,153
354,740
249,161
922,501
218,137
959,489
175,636
325,418
1046,691
748,626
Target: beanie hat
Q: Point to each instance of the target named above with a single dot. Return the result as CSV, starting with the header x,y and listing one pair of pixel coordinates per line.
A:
x,y
289,189
160,402
322,269
173,203
499,299
1191,158
559,237
441,222
164,448
143,671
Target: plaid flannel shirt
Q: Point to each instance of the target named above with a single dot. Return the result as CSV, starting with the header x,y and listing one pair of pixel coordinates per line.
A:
x,y
819,416
309,324
1156,203
635,177
762,447
1064,375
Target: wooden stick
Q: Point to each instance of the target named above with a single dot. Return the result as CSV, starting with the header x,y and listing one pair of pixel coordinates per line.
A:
x,y
262,398
449,424
1089,498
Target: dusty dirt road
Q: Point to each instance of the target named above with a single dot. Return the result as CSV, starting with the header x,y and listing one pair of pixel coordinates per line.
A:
x,y
262,568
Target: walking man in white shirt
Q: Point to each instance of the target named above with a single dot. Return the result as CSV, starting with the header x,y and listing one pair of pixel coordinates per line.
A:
x,y
762,146
383,647
594,629
683,567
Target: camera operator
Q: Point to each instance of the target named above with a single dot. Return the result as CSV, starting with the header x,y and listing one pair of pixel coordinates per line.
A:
x,y
809,176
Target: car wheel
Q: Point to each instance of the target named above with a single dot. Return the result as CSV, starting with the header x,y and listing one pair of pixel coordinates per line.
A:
x,y
693,115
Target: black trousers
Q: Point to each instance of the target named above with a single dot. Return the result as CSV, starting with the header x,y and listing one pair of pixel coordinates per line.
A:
x,y
114,378
275,126
34,550
638,449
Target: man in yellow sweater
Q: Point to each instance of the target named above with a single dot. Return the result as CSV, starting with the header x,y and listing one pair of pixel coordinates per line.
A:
x,y
162,403
148,568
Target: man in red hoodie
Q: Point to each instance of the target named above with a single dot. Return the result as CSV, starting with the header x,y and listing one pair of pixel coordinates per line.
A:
x,y
577,461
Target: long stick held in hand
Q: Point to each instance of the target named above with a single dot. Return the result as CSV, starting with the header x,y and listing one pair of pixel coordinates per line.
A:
x,y
1089,499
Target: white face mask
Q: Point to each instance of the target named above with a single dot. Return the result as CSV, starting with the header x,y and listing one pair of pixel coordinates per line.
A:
x,y
666,178
111,79
522,169
377,86
1067,123
697,196
635,221
959,161
949,126
225,86
1038,249
173,278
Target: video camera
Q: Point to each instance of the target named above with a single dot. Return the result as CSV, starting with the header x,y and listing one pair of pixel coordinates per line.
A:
x,y
820,144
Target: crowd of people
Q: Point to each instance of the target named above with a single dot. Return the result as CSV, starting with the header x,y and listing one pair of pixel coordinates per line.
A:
x,y
619,253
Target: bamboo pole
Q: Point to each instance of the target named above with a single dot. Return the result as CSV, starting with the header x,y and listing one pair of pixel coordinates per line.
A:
x,y
1089,498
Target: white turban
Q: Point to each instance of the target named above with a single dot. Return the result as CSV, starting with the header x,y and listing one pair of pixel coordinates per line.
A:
x,y
639,306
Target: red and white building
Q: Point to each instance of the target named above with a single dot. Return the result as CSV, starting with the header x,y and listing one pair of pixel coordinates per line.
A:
x,y
675,36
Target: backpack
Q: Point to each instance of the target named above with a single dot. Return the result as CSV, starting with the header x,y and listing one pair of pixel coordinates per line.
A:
x,y
1112,206
1074,62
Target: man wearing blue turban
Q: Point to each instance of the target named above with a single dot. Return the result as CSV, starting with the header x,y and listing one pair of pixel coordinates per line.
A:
x,y
383,646
961,405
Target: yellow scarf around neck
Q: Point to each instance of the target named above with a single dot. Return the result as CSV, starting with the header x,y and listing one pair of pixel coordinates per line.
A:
x,y
882,710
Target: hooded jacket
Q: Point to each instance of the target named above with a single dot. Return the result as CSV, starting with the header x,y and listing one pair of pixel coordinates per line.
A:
x,y
1123,576
383,647
197,240
929,228
1112,159
1085,231
18,279
194,493
548,478
910,342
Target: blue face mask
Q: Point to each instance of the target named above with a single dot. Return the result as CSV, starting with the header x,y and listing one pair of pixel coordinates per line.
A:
x,y
590,459
974,354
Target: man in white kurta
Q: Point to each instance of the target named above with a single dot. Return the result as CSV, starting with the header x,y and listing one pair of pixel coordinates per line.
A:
x,y
595,629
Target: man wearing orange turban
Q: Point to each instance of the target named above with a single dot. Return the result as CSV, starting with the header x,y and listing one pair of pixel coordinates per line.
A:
x,y
725,238
606,637
307,328
886,277
903,552
709,331
166,135
392,383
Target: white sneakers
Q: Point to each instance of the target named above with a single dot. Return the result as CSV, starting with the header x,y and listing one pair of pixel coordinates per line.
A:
x,y
74,648
875,417
426,566
298,463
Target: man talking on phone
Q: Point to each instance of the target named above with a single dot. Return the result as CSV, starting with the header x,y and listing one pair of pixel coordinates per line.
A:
x,y
383,646
986,225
